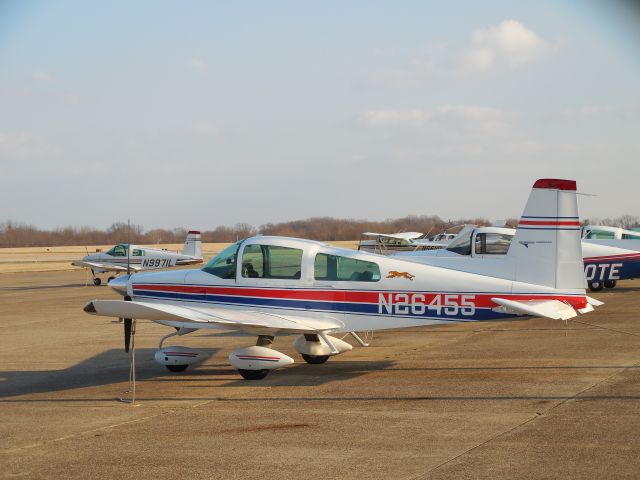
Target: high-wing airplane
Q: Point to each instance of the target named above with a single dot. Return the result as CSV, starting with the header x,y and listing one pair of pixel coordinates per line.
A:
x,y
267,286
388,243
134,258
605,260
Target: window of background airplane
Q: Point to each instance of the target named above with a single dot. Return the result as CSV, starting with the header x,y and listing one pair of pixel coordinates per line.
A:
x,y
600,235
137,252
271,261
223,265
336,268
492,244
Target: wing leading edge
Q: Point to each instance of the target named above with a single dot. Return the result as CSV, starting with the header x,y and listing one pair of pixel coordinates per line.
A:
x,y
105,266
226,317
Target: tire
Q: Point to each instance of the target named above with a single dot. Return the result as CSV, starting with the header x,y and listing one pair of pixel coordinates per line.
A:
x,y
610,283
315,359
253,374
110,278
596,286
176,368
97,282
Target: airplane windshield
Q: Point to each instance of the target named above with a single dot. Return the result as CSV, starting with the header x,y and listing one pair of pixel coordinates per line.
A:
x,y
223,265
462,244
118,251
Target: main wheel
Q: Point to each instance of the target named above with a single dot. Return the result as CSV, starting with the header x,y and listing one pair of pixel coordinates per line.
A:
x,y
610,283
110,278
97,281
253,374
176,368
315,359
595,286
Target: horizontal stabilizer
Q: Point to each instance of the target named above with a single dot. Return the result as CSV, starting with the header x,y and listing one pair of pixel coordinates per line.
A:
x,y
226,317
593,302
554,309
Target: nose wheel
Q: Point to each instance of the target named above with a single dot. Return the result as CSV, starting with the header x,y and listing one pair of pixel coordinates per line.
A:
x,y
97,282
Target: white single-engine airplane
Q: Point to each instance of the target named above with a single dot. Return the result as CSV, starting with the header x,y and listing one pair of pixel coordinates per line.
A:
x,y
134,258
266,286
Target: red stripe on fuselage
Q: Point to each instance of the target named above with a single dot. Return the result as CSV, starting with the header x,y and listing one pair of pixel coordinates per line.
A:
x,y
624,256
550,223
480,300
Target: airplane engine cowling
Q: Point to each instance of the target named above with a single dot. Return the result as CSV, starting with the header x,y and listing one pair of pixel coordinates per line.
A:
x,y
320,348
177,355
258,358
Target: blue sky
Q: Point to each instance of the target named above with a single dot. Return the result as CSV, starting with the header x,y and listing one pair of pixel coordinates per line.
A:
x,y
199,114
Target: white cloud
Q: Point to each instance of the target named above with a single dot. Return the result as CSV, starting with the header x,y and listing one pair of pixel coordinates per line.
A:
x,y
206,130
42,77
481,118
198,64
16,144
507,45
509,42
396,118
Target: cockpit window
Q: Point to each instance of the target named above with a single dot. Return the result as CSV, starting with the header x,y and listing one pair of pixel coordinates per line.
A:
x,y
223,265
271,261
118,251
137,252
336,268
462,244
492,243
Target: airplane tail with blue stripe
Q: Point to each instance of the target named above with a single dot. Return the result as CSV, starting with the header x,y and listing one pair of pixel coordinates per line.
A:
x,y
547,247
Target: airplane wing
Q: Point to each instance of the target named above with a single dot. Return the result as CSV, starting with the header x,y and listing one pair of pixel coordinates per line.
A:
x,y
226,317
554,309
400,235
105,266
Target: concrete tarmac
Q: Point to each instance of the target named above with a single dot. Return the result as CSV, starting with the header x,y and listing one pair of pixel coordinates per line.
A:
x,y
521,399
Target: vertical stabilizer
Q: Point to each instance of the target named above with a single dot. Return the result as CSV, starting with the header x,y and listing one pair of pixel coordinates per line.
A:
x,y
547,247
193,244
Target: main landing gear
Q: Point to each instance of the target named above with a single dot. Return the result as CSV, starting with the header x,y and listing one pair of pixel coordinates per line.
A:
x,y
97,281
599,285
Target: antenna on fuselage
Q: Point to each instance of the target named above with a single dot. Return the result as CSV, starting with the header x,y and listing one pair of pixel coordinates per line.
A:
x,y
128,246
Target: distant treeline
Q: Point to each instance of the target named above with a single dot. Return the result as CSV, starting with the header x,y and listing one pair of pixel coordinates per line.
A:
x,y
15,234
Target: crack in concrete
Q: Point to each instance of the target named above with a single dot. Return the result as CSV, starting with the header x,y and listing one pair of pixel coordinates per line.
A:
x,y
425,475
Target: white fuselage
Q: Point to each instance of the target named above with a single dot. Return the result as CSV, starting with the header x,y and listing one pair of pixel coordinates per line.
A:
x,y
402,293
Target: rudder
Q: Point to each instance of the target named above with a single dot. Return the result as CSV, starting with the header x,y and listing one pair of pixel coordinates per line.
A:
x,y
193,244
547,247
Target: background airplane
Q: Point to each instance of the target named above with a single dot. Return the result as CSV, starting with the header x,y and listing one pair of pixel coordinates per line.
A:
x,y
386,243
125,257
605,261
266,286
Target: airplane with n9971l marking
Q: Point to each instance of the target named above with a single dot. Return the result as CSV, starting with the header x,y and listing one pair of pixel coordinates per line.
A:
x,y
266,286
126,258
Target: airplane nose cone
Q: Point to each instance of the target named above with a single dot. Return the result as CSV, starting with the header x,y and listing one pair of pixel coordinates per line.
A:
x,y
119,284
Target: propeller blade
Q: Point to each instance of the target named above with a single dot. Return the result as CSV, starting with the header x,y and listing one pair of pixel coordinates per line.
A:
x,y
127,333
